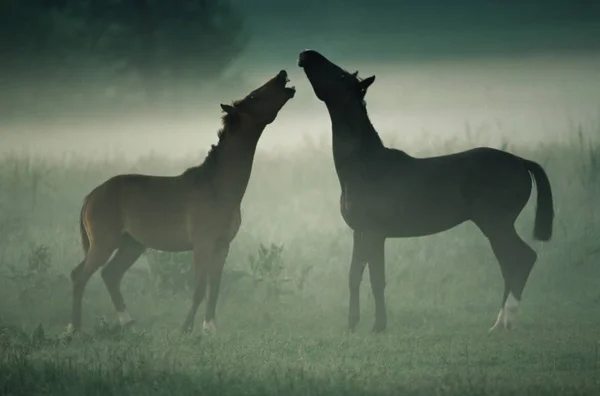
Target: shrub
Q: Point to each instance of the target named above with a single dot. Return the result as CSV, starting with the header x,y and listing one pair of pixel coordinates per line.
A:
x,y
35,279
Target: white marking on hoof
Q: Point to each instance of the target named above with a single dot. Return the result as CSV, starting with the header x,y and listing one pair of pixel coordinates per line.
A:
x,y
511,308
499,321
70,329
209,327
507,315
124,318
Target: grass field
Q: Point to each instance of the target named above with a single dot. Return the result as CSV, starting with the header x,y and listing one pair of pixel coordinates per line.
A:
x,y
282,312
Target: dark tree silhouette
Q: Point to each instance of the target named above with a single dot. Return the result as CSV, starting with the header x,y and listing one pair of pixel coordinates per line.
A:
x,y
53,50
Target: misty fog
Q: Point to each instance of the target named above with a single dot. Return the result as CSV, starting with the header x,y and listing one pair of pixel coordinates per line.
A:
x,y
523,100
92,89
525,74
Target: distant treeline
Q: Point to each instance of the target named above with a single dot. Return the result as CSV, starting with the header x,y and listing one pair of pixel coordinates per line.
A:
x,y
64,52
414,30
448,13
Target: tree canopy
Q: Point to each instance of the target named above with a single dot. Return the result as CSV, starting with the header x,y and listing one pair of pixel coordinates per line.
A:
x,y
63,51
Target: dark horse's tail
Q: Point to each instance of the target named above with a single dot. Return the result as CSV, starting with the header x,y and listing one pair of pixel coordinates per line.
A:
x,y
85,240
544,213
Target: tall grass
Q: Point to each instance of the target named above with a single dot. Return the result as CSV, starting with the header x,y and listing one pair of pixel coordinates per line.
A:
x,y
282,311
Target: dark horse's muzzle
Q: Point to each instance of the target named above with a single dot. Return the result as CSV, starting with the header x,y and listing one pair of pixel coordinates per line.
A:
x,y
308,57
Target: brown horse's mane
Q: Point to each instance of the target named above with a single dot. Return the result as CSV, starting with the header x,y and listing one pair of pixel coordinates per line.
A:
x,y
202,171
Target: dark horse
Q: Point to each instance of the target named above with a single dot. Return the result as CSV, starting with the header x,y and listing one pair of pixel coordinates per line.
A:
x,y
386,193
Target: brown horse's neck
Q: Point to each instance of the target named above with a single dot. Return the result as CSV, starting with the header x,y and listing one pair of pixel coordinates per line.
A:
x,y
234,162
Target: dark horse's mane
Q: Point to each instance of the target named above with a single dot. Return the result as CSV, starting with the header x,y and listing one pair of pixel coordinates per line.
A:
x,y
361,92
372,138
206,168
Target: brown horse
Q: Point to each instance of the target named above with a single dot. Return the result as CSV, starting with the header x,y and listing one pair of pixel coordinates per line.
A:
x,y
197,210
386,193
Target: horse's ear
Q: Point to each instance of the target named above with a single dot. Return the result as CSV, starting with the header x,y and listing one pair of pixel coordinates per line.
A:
x,y
355,74
366,83
228,109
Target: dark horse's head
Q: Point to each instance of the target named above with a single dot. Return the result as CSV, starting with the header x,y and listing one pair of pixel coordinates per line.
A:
x,y
332,84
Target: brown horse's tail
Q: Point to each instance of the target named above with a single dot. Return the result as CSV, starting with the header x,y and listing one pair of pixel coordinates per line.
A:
x,y
544,213
85,240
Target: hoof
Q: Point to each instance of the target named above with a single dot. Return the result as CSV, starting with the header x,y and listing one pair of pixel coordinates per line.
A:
x,y
129,324
504,321
379,327
125,319
209,328
68,334
495,329
71,331
498,326
186,329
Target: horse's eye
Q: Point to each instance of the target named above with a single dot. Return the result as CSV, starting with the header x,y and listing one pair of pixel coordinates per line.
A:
x,y
252,97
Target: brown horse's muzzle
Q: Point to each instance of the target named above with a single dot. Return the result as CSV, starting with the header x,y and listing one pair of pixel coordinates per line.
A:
x,y
282,79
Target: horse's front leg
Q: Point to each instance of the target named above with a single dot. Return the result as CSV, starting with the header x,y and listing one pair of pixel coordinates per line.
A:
x,y
357,268
202,258
376,258
214,281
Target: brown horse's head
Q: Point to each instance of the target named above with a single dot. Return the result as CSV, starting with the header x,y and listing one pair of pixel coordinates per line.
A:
x,y
332,84
262,105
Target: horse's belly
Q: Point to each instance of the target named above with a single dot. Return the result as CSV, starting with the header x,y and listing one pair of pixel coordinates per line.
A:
x,y
168,239
404,222
159,231
422,228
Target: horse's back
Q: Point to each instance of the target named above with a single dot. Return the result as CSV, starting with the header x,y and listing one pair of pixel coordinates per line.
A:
x,y
153,210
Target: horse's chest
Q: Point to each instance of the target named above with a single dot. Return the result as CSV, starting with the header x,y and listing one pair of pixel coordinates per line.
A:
x,y
216,223
362,211
233,226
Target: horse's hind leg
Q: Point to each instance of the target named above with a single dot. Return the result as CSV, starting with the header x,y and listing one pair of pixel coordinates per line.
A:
x,y
128,252
96,257
376,258
516,259
357,268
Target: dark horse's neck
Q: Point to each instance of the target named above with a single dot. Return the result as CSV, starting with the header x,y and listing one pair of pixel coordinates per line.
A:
x,y
228,165
354,139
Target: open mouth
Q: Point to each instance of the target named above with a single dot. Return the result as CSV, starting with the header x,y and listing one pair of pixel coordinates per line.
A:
x,y
290,90
283,79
